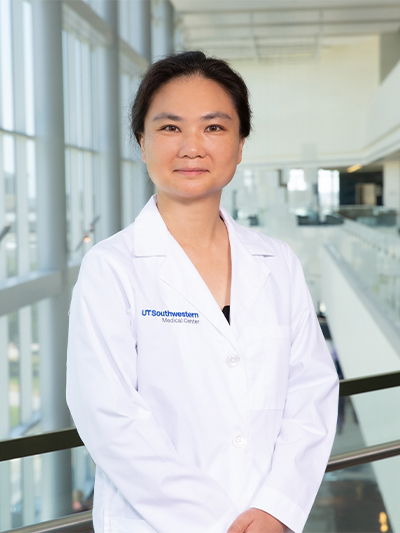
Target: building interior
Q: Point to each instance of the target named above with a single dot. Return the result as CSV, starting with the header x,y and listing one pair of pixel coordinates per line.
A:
x,y
320,171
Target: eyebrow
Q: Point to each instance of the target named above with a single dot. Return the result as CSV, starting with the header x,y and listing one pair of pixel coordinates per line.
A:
x,y
176,118
217,114
168,116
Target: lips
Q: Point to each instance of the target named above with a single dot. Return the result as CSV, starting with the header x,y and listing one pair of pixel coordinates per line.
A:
x,y
191,171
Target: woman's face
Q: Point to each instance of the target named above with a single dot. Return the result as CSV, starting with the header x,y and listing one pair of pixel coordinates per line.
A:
x,y
191,142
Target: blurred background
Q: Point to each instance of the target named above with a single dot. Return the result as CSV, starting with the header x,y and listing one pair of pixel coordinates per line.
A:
x,y
321,171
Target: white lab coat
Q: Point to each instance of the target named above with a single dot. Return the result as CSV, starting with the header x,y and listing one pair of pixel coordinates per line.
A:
x,y
190,420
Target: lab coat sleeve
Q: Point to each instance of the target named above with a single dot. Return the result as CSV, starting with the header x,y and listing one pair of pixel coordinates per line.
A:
x,y
309,417
115,423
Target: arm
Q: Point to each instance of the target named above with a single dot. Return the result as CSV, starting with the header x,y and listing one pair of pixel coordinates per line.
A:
x,y
309,418
114,422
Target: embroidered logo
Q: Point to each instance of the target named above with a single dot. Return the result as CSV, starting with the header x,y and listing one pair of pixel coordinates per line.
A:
x,y
173,316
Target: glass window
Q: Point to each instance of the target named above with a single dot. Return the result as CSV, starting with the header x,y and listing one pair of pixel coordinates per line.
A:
x,y
80,69
296,180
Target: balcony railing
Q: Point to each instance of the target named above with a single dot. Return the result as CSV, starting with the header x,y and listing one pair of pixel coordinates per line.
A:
x,y
69,438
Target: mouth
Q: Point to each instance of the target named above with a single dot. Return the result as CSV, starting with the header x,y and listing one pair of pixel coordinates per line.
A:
x,y
191,171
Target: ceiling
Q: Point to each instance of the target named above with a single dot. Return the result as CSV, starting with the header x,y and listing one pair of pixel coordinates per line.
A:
x,y
268,29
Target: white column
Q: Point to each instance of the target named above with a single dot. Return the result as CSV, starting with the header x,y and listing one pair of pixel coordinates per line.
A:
x,y
24,315
52,246
109,187
391,184
141,27
18,65
162,34
5,502
311,178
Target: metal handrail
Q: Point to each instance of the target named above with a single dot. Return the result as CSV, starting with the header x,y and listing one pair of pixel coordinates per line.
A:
x,y
78,522
349,387
82,522
51,441
65,439
363,456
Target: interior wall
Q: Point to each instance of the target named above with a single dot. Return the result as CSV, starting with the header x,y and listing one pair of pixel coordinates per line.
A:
x,y
389,52
311,110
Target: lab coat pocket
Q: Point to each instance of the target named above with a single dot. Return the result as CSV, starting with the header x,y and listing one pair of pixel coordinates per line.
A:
x,y
125,525
267,355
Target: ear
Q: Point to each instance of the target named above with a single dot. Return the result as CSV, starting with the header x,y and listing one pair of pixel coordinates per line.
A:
x,y
240,151
142,150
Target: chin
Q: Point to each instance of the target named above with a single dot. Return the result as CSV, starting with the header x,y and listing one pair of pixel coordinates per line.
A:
x,y
191,194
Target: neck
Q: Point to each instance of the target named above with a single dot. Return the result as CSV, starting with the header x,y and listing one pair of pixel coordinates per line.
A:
x,y
196,223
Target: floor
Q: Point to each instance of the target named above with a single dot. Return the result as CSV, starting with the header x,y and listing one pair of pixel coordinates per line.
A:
x,y
349,500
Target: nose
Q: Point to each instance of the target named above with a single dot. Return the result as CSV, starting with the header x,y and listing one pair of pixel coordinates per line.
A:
x,y
192,145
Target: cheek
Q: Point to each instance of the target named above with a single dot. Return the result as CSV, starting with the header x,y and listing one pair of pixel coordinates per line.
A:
x,y
153,151
159,154
227,153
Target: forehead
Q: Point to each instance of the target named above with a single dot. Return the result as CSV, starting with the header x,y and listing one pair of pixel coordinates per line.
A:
x,y
191,95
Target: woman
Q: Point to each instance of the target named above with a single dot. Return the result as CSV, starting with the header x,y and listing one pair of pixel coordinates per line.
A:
x,y
197,422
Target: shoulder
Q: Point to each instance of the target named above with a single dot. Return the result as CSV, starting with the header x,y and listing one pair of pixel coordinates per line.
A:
x,y
111,254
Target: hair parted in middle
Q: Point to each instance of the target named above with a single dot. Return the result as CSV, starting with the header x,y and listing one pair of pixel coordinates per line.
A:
x,y
188,64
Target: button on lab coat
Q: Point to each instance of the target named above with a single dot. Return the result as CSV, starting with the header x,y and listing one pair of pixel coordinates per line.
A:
x,y
191,420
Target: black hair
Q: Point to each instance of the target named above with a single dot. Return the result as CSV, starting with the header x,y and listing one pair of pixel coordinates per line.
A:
x,y
190,64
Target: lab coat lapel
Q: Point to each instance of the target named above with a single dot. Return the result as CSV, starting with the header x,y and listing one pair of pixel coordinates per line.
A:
x,y
179,273
151,239
249,271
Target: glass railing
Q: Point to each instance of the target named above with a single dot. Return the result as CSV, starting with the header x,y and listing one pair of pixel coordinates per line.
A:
x,y
46,481
46,486
374,257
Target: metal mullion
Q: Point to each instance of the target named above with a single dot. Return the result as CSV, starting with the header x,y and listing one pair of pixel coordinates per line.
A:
x,y
124,190
4,380
28,491
124,20
16,134
26,364
96,193
5,500
79,148
18,64
71,80
88,211
28,68
3,265
127,193
79,468
124,88
4,366
75,221
1,84
86,88
133,15
8,118
96,66
22,208
65,54
78,88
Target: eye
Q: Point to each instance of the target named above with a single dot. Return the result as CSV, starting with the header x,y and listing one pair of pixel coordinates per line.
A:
x,y
214,128
170,127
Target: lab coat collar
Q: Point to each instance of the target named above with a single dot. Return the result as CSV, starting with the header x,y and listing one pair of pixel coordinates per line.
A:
x,y
249,270
151,235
